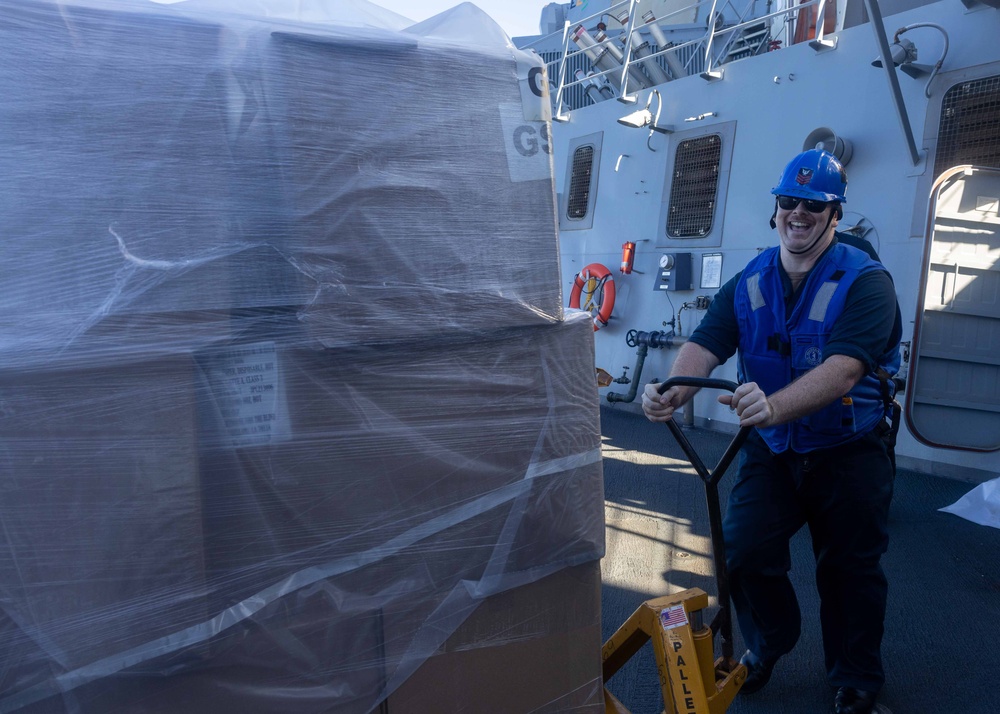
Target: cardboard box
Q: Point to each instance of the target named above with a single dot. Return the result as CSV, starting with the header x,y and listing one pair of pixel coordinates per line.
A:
x,y
532,649
287,393
175,159
311,456
101,547
406,200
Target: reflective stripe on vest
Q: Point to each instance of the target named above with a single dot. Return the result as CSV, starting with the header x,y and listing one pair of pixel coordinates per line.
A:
x,y
753,289
821,302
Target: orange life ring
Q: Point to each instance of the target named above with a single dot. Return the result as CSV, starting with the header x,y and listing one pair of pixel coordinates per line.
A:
x,y
596,282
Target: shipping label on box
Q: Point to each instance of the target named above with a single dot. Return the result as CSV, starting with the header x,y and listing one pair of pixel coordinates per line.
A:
x,y
533,81
248,392
528,145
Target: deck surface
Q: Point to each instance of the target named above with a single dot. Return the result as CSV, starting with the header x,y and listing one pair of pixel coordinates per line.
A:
x,y
943,625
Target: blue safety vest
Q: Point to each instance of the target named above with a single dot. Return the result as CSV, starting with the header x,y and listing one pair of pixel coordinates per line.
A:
x,y
776,348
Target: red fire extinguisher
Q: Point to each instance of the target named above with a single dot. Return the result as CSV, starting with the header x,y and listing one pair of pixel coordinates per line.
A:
x,y
628,256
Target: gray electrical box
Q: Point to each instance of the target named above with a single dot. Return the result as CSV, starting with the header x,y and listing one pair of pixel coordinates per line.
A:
x,y
674,272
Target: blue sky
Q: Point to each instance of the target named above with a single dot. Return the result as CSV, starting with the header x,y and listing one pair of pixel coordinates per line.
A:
x,y
516,17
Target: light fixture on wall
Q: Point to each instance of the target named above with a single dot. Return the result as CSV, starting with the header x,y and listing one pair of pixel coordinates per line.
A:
x,y
903,54
644,117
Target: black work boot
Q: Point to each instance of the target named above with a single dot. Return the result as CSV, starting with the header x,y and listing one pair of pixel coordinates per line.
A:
x,y
849,700
758,672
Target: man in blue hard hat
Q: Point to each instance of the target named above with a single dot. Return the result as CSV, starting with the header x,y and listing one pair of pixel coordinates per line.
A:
x,y
816,327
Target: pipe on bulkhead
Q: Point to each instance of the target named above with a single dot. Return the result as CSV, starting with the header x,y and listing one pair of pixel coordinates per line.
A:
x,y
644,340
634,389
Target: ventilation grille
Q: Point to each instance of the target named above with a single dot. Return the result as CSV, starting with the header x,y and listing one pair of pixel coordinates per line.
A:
x,y
970,125
579,183
693,190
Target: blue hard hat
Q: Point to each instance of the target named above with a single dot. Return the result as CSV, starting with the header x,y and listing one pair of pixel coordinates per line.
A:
x,y
814,174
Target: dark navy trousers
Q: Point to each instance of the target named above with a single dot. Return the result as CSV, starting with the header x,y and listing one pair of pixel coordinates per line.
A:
x,y
843,495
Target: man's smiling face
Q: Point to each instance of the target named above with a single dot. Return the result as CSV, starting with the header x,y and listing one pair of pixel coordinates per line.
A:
x,y
804,233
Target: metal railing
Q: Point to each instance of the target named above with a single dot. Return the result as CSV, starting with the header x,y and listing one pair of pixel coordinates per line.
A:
x,y
609,60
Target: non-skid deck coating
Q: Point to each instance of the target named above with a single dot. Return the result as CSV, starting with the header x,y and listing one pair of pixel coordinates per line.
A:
x,y
942,642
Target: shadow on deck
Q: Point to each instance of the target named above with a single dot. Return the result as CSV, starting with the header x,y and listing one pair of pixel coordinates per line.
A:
x,y
944,577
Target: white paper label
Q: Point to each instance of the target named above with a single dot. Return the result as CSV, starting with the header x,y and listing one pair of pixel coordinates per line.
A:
x,y
528,145
534,85
248,393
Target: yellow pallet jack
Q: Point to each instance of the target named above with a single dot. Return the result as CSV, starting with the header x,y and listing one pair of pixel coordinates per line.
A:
x,y
693,681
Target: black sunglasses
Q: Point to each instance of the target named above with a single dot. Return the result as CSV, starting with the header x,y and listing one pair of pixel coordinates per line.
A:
x,y
789,202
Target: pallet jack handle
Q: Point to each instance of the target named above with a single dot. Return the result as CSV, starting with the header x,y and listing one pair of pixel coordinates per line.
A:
x,y
722,623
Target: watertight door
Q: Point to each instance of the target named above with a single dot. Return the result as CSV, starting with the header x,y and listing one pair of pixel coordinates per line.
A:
x,y
953,396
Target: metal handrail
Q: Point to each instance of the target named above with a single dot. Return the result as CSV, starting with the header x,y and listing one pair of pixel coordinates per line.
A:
x,y
708,39
566,54
628,49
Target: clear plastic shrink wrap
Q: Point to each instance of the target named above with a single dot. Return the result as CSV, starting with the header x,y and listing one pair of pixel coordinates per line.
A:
x,y
290,417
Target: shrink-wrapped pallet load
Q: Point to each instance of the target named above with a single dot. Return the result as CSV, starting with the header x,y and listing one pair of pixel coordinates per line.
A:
x,y
290,417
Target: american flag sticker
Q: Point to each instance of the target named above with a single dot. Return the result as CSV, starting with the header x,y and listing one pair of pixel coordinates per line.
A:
x,y
673,616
